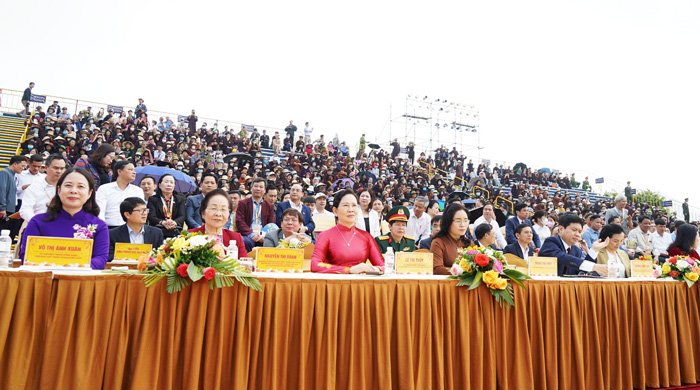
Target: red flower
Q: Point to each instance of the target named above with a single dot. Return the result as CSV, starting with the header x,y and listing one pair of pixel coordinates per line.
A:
x,y
482,260
209,273
182,270
674,274
672,260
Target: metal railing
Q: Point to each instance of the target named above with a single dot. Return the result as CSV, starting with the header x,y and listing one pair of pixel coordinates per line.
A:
x,y
505,200
11,101
24,135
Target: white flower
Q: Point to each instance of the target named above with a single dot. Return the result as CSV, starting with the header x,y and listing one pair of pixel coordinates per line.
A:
x,y
489,253
682,264
294,242
169,263
456,269
196,241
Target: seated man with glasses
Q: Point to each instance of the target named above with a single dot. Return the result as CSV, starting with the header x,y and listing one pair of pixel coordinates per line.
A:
x,y
291,225
135,231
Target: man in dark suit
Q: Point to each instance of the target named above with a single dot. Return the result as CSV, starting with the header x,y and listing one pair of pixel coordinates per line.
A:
x,y
522,248
522,214
207,185
134,231
295,194
565,248
253,214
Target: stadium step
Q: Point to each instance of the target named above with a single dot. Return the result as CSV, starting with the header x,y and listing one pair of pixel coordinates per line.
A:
x,y
11,132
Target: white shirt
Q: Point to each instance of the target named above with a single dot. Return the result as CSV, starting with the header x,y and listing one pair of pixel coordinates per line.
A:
x,y
418,228
136,238
315,211
25,178
109,197
643,240
661,243
542,231
526,253
295,207
621,271
36,199
497,229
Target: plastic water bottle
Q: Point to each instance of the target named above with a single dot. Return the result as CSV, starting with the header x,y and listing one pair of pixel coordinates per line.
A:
x,y
389,261
232,250
612,268
6,257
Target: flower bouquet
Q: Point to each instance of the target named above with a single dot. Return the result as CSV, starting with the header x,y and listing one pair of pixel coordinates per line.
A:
x,y
477,265
681,268
191,257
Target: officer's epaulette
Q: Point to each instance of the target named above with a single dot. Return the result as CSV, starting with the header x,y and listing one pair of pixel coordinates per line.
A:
x,y
383,237
409,238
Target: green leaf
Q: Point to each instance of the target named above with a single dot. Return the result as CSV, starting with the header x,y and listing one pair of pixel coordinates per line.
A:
x,y
516,274
194,272
465,282
688,281
477,281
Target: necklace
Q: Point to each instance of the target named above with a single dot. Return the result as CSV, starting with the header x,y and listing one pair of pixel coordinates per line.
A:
x,y
341,235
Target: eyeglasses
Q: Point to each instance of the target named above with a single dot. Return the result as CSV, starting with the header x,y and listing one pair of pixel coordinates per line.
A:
x,y
142,211
215,210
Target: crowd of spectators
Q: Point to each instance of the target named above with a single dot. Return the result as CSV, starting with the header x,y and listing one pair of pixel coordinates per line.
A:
x,y
318,166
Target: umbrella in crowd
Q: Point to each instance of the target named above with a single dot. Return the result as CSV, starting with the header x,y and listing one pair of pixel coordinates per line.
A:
x,y
546,170
367,175
183,182
478,212
374,146
521,167
240,156
340,183
461,194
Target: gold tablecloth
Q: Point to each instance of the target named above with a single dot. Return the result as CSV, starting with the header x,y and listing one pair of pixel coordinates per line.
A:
x,y
109,331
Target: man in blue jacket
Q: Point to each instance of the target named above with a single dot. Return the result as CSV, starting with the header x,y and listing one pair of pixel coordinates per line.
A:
x,y
295,194
564,247
193,217
522,214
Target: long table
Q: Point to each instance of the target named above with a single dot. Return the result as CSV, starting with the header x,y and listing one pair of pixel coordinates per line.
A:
x,y
349,332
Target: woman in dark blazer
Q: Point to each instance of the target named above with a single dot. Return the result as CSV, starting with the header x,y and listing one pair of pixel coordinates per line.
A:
x,y
167,208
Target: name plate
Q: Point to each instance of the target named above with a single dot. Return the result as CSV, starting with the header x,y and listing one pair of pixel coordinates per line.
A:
x,y
279,260
129,251
642,268
543,266
419,263
68,252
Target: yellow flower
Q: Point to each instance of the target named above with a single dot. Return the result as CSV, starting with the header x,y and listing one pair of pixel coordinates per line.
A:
x,y
179,244
159,258
665,269
500,284
490,277
463,264
692,276
468,268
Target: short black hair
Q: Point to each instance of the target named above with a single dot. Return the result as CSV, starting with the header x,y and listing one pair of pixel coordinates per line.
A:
x,y
258,180
643,217
269,187
209,174
611,219
337,197
660,221
519,206
520,228
481,230
294,212
568,219
36,158
610,230
17,159
118,166
148,177
129,204
54,157
593,217
308,199
235,192
436,218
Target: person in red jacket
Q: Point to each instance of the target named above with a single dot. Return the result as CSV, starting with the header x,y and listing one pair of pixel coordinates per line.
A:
x,y
215,209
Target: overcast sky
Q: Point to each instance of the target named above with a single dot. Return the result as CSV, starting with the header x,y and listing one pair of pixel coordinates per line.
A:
x,y
603,88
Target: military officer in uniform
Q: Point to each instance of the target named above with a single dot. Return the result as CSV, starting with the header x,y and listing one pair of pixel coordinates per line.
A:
x,y
397,238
